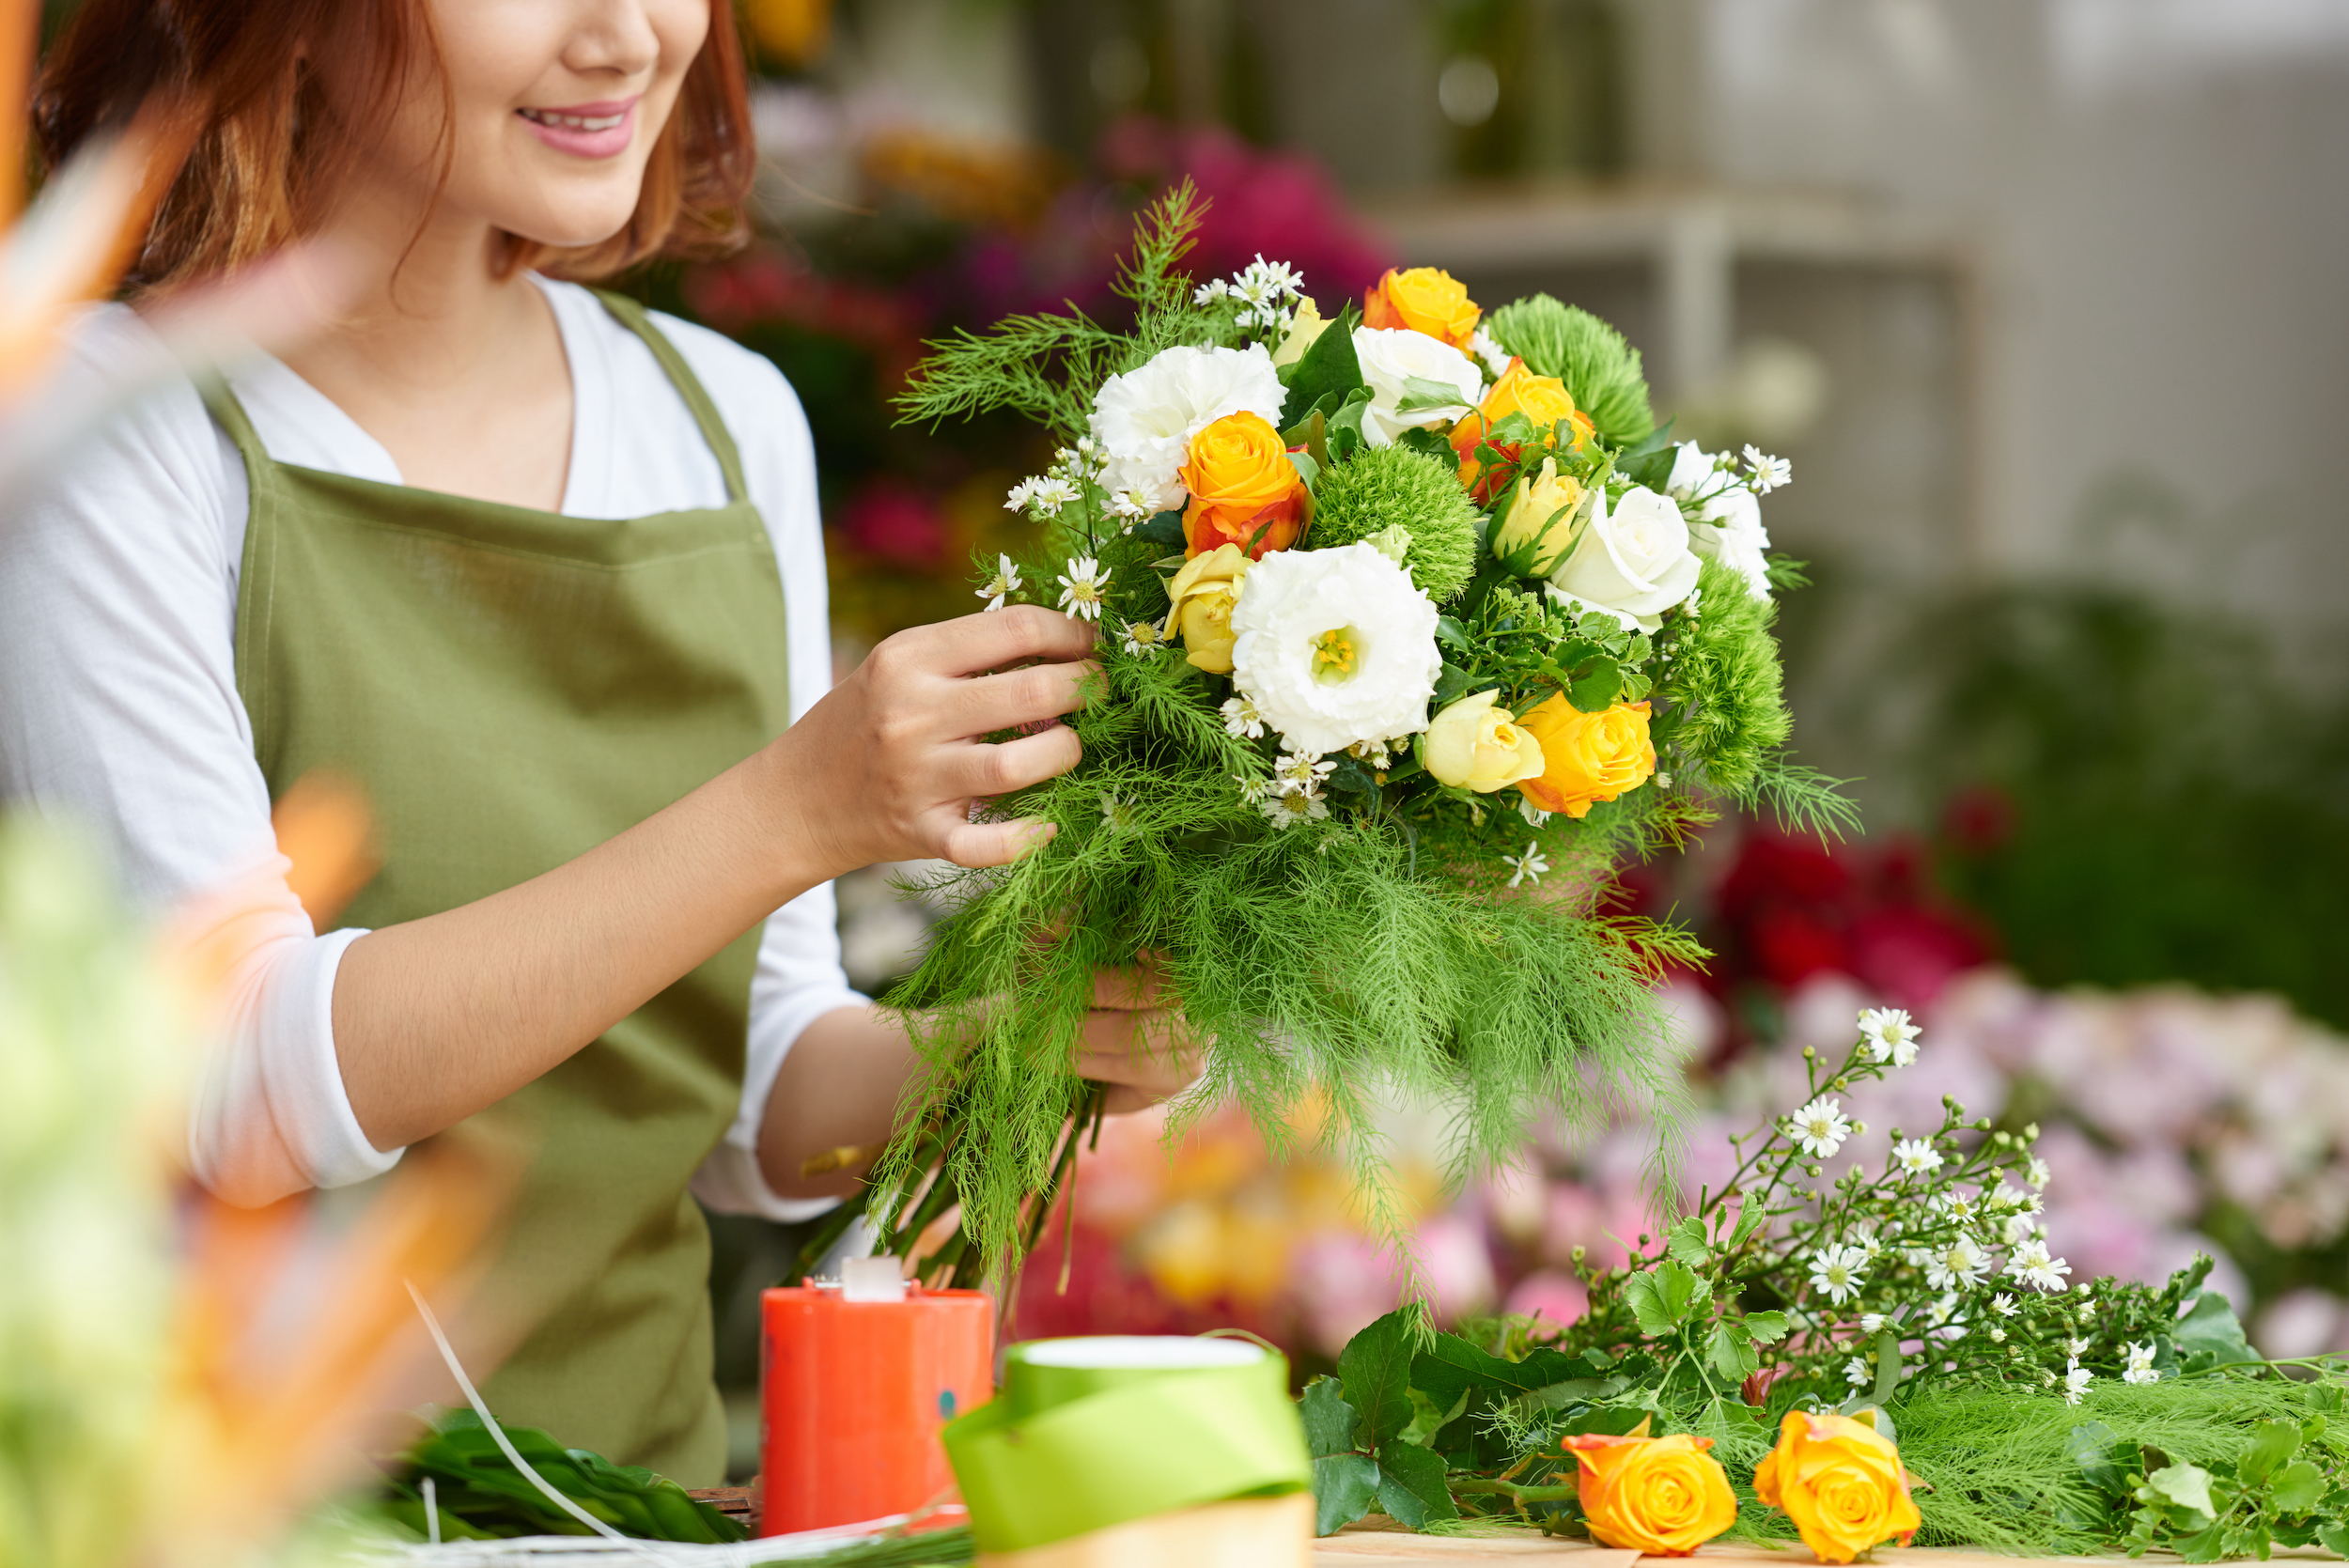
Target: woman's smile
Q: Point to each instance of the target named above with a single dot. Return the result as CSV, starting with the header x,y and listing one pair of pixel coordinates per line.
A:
x,y
585,130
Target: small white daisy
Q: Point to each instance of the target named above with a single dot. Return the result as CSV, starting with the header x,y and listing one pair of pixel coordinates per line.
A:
x,y
1768,471
1301,773
1839,1271
1241,718
2141,1369
2076,1381
1956,1264
1914,1157
2004,1305
1492,354
2032,1264
1887,1031
1210,291
1133,506
1116,813
1820,1127
2036,1172
2075,1348
1960,1206
1080,587
1143,637
1004,583
1855,1373
1534,814
1872,1322
1530,865
1286,811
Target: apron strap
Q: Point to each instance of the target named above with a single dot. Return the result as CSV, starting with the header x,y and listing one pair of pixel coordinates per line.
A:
x,y
637,320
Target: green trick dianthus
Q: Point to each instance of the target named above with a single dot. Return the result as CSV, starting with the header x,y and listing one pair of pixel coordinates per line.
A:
x,y
1601,370
1388,486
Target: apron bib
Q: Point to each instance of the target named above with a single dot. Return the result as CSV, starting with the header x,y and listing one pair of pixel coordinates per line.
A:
x,y
512,687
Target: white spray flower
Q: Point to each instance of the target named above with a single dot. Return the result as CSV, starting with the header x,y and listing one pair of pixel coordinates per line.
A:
x,y
2141,1369
1728,529
1527,866
1855,1373
1495,358
1534,814
2004,1305
2036,1172
1820,1127
1143,637
2032,1264
1333,646
1889,1036
1956,1263
1839,1271
1081,587
1916,1157
1871,1323
1241,720
2076,1381
1004,583
1286,811
1768,471
1144,420
1696,473
1299,773
1392,358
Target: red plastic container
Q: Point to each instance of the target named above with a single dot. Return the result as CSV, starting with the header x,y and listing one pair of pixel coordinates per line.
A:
x,y
851,1397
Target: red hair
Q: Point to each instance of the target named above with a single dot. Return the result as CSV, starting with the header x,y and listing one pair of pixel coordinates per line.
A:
x,y
268,150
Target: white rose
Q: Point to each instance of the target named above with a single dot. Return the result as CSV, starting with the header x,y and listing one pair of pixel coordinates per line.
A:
x,y
1634,563
1335,647
1391,357
1729,530
1144,419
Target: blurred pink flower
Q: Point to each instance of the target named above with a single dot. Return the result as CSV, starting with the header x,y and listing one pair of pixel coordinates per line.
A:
x,y
1546,1292
1459,1266
2303,1322
1342,1285
893,521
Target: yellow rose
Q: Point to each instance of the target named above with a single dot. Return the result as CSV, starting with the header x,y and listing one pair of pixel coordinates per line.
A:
x,y
1587,756
1665,1496
1541,513
1841,1481
1476,744
1308,325
1542,399
1204,593
1244,490
1425,300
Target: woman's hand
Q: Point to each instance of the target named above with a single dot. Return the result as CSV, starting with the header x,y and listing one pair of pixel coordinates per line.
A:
x,y
1134,1043
887,766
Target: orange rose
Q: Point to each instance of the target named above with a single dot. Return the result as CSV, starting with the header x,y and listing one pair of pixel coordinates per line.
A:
x,y
1425,300
1662,1496
1244,490
1542,399
1587,756
1842,1482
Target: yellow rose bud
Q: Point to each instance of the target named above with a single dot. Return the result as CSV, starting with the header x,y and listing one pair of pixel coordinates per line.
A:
x,y
1204,593
1308,325
1244,490
1587,756
1841,1481
1424,300
1542,399
1541,514
1665,1496
1474,744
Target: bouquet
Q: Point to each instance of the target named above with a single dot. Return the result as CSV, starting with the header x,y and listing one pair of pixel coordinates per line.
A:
x,y
1413,626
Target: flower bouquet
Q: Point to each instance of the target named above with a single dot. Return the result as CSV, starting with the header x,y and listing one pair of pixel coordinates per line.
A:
x,y
1413,626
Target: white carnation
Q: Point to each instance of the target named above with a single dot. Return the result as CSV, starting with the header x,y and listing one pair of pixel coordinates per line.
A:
x,y
1391,358
1144,419
1729,529
1633,562
1334,647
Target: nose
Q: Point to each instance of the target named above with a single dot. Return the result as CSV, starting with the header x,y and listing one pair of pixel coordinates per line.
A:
x,y
612,38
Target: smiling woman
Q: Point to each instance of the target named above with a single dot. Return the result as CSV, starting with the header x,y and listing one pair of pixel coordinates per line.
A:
x,y
542,572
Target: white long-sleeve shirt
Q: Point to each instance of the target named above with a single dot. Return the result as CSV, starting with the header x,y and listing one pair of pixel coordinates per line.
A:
x,y
118,699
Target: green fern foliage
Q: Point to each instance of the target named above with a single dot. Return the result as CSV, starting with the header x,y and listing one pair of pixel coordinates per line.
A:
x,y
1385,487
1601,370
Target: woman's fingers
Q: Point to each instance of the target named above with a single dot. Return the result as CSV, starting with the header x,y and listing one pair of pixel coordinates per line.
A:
x,y
1017,698
994,640
1129,986
982,768
1147,1051
977,844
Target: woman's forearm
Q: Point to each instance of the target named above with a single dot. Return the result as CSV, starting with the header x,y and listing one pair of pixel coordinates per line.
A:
x,y
439,1017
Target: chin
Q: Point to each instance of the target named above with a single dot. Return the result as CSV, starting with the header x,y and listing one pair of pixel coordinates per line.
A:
x,y
572,230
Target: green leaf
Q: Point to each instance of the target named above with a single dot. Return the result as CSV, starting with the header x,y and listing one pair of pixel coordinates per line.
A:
x,y
2299,1487
2210,1334
1767,1328
1615,1421
1664,1298
1327,367
1685,1240
1165,528
1421,394
1329,1421
2090,1447
1451,635
1306,468
2185,1486
1451,684
1730,1350
2272,1443
1429,1417
1345,1485
2334,1538
1751,1211
1451,1367
1376,1369
1888,1364
1411,1487
2203,1546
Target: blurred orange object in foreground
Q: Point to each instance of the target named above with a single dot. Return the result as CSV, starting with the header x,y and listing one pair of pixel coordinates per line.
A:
x,y
852,1395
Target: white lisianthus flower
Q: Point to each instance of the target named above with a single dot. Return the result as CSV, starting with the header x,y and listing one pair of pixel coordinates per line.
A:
x,y
1334,646
1392,358
1634,562
1729,530
1142,421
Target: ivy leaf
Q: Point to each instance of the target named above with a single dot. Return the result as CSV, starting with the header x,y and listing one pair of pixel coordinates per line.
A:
x,y
1376,1369
2299,1487
2210,1334
1345,1485
1730,1349
1429,443
1329,1422
1411,1487
2185,1486
1767,1328
2272,1443
1686,1239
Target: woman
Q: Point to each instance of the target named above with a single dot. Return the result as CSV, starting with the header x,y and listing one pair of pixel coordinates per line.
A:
x,y
543,574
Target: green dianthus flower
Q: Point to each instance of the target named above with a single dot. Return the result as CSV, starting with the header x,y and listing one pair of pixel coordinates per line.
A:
x,y
1388,486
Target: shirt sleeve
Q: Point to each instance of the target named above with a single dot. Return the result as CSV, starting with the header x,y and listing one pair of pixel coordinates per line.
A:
x,y
118,708
799,978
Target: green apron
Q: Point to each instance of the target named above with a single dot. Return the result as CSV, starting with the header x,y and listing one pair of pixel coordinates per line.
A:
x,y
512,687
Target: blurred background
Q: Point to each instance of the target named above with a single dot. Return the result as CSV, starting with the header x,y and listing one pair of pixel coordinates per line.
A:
x,y
2042,300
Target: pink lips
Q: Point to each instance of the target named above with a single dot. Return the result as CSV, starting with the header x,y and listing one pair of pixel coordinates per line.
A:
x,y
590,140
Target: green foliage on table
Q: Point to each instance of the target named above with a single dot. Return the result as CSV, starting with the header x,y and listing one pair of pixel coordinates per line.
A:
x,y
480,1494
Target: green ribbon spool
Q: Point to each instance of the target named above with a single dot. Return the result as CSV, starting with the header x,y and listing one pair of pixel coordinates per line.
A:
x,y
1090,1433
